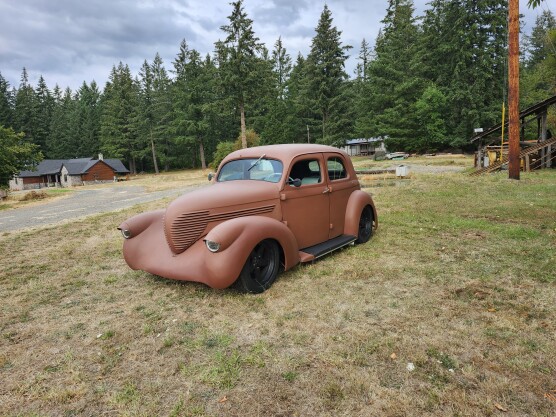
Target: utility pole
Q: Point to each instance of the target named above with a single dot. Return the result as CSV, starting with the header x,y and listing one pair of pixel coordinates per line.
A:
x,y
513,90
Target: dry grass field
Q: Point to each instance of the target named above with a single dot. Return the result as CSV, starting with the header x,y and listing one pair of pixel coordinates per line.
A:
x,y
33,197
449,310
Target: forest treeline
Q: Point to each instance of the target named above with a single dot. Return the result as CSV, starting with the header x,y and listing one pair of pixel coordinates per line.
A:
x,y
424,85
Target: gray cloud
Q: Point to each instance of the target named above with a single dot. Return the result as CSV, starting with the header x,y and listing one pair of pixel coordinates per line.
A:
x,y
70,41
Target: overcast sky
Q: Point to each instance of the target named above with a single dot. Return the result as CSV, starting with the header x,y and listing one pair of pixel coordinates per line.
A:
x,y
71,41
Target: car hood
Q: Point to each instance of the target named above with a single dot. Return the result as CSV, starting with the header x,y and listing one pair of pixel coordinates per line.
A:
x,y
192,215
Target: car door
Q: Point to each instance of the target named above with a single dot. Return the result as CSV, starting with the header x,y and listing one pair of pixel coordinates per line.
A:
x,y
340,184
305,209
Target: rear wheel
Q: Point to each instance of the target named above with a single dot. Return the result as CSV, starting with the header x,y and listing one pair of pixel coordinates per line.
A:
x,y
365,230
261,268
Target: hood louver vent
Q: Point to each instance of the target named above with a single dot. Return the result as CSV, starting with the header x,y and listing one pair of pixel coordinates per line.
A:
x,y
187,228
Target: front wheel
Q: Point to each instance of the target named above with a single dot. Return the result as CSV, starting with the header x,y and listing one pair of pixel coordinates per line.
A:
x,y
365,230
261,268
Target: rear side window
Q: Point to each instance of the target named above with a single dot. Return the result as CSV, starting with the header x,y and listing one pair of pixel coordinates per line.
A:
x,y
336,169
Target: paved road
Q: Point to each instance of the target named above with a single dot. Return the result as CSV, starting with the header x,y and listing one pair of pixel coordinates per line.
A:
x,y
79,204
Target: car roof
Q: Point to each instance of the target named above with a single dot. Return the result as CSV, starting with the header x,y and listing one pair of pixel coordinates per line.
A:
x,y
285,153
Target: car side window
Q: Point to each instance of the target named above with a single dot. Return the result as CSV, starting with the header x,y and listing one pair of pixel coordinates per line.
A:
x,y
336,169
307,170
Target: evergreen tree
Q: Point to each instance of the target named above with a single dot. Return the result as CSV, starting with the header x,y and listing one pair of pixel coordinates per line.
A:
x,y
162,111
16,154
118,134
43,106
304,125
278,120
24,117
265,95
194,122
464,52
325,72
154,111
62,141
238,60
538,80
538,43
6,103
395,79
87,116
364,58
430,110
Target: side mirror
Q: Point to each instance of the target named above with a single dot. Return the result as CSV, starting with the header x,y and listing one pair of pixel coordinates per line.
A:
x,y
294,182
210,176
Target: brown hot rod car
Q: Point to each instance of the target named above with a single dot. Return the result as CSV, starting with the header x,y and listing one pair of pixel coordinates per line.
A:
x,y
268,209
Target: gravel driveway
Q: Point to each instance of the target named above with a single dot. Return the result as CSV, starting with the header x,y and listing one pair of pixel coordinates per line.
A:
x,y
80,204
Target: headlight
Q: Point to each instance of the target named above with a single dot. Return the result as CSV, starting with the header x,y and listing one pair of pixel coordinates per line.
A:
x,y
212,246
126,233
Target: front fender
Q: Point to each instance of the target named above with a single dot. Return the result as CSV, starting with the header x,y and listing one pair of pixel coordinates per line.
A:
x,y
357,201
137,224
239,236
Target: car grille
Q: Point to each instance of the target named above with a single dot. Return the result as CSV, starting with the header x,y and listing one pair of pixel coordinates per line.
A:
x,y
187,228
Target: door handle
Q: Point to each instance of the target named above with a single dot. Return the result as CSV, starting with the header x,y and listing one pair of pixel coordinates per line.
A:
x,y
326,191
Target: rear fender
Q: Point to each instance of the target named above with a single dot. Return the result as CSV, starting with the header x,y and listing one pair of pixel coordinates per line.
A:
x,y
357,201
237,238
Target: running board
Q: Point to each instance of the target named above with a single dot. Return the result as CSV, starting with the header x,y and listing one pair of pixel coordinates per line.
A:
x,y
313,252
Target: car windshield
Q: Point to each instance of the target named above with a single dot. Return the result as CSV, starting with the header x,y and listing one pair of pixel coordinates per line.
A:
x,y
259,169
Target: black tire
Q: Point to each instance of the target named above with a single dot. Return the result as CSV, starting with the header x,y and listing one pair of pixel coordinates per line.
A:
x,y
365,230
260,269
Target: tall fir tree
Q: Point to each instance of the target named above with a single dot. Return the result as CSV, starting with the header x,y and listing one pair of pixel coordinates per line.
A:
x,y
194,96
6,103
62,141
118,133
278,118
395,79
43,107
326,74
238,63
464,51
538,43
87,120
24,116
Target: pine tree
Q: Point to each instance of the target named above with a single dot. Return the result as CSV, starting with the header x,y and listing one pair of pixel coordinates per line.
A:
x,y
325,72
464,51
395,79
62,140
193,98
118,133
87,109
24,117
238,54
364,58
6,103
162,111
538,79
305,121
277,127
43,106
538,42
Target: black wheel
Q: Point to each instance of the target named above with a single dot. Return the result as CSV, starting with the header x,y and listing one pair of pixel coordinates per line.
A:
x,y
365,225
261,268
